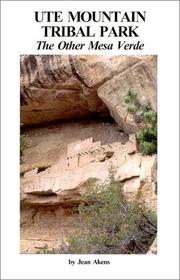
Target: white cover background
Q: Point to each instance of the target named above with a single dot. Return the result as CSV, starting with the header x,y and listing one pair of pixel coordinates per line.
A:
x,y
160,35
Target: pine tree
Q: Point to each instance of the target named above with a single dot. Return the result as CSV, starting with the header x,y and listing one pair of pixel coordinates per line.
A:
x,y
143,113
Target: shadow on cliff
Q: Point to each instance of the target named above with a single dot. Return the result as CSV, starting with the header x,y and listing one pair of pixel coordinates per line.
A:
x,y
101,128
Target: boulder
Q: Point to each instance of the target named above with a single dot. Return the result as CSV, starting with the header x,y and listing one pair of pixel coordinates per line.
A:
x,y
141,77
130,168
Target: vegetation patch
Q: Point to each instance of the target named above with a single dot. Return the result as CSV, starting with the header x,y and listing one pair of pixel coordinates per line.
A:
x,y
110,225
144,115
23,145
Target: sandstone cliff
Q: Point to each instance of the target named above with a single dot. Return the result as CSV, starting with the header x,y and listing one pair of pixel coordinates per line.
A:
x,y
62,158
70,87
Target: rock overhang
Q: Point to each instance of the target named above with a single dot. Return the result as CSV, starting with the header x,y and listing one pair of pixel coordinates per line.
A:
x,y
73,87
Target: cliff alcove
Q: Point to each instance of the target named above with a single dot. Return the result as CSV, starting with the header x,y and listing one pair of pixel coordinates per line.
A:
x,y
76,127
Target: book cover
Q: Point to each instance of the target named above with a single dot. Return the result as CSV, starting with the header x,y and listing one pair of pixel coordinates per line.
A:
x,y
90,139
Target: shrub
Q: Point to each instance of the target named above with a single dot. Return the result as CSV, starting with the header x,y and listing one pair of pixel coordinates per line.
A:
x,y
23,144
143,113
110,225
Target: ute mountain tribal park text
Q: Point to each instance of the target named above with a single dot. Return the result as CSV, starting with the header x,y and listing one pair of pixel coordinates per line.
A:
x,y
91,18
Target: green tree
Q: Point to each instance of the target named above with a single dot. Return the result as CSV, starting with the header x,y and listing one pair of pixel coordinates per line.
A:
x,y
143,114
110,224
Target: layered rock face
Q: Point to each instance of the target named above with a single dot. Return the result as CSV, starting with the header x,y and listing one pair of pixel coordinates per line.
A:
x,y
63,158
83,163
70,87
62,161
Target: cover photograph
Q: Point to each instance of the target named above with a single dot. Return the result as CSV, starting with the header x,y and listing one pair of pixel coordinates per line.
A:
x,y
88,149
90,139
